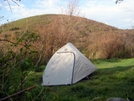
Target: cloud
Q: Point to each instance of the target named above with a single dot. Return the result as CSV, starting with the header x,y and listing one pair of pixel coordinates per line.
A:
x,y
0,5
105,11
114,15
38,7
47,6
46,3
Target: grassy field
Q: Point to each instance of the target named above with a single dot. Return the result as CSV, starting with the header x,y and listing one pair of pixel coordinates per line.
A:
x,y
114,78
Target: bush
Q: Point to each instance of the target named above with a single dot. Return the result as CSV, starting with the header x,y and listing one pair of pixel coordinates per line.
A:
x,y
15,28
39,69
15,66
108,45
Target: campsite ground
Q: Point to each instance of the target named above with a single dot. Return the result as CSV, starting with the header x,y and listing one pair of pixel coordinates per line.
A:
x,y
114,78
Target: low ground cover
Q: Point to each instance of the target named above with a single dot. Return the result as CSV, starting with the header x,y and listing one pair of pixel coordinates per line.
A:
x,y
114,78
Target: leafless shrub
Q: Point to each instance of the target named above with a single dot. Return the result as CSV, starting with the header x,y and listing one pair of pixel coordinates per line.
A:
x,y
107,45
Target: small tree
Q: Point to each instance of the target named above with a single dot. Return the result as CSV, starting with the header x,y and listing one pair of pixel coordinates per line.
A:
x,y
118,1
61,29
15,65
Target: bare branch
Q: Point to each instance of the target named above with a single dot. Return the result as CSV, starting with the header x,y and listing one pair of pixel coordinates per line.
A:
x,y
38,94
14,43
72,8
14,1
118,1
9,5
7,41
15,94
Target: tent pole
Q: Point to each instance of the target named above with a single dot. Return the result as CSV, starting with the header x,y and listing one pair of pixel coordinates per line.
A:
x,y
73,68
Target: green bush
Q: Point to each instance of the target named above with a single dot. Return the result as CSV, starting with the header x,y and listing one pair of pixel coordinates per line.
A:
x,y
40,69
15,66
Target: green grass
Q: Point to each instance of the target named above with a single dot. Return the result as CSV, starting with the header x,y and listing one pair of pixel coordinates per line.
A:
x,y
28,22
114,78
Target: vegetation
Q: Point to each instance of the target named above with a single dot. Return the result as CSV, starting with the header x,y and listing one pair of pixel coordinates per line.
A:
x,y
15,66
28,44
20,57
114,78
118,1
94,39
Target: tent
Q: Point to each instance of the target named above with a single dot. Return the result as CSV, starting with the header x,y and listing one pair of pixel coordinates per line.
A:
x,y
67,66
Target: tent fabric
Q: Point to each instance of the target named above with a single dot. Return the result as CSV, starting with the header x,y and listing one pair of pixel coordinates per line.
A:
x,y
67,66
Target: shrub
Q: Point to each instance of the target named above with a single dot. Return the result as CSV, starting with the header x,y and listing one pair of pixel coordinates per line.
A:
x,y
15,65
14,28
39,69
108,45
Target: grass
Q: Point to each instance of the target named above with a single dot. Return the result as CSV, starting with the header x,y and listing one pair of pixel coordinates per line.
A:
x,y
114,78
28,22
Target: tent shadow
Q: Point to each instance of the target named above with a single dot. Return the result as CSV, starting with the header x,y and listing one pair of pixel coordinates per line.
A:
x,y
105,72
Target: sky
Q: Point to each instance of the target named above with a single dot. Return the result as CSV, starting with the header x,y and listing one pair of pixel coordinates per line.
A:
x,y
106,11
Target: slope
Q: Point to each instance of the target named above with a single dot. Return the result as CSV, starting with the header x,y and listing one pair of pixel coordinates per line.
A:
x,y
94,39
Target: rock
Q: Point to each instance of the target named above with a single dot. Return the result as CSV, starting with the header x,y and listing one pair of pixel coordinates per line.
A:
x,y
116,99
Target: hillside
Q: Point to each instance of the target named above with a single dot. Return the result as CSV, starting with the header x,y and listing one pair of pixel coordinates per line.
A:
x,y
94,39
26,46
47,19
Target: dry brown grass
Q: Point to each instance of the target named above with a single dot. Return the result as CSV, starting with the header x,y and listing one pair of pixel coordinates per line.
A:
x,y
94,39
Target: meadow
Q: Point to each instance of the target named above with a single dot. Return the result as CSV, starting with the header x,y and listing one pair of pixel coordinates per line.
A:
x,y
114,78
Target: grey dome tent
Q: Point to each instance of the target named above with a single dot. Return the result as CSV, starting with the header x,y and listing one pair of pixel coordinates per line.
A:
x,y
67,66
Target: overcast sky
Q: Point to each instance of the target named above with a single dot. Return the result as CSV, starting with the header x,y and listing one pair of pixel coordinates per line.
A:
x,y
105,11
